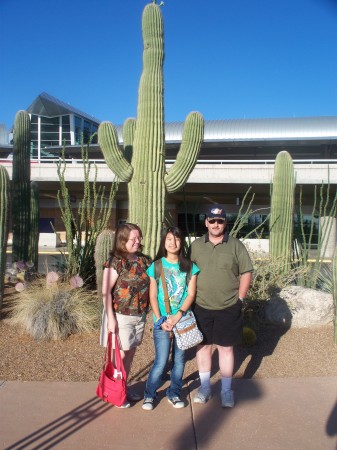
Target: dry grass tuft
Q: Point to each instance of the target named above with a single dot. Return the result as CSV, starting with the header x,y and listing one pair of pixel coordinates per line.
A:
x,y
54,312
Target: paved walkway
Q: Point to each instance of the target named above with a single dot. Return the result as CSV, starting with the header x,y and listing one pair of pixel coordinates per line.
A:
x,y
273,414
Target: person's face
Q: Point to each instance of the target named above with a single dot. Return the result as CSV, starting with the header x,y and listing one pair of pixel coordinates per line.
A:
x,y
172,244
133,243
216,226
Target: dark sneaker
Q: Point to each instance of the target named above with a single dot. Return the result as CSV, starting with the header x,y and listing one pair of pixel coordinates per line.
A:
x,y
148,404
176,402
227,399
202,396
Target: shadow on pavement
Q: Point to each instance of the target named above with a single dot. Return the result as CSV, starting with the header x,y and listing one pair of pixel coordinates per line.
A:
x,y
331,425
52,434
208,419
267,340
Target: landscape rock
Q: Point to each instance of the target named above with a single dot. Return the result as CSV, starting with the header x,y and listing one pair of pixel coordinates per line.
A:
x,y
299,307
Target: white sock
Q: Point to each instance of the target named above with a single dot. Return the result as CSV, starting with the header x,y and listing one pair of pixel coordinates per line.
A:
x,y
205,380
226,384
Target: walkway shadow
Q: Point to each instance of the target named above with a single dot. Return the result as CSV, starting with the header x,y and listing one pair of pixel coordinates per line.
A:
x,y
267,340
210,419
331,425
268,337
50,435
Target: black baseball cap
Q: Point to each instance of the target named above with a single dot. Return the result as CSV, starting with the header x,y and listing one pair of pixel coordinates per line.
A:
x,y
216,211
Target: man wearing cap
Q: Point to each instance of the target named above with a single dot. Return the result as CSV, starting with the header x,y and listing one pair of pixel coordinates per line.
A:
x,y
222,284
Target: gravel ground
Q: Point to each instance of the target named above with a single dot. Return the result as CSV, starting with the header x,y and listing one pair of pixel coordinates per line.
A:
x,y
277,353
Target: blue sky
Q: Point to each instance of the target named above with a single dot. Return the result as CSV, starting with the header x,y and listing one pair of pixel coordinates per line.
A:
x,y
226,59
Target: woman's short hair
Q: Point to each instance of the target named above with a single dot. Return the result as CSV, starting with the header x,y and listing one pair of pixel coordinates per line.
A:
x,y
121,238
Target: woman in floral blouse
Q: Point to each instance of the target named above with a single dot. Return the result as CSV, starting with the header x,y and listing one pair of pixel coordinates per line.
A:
x,y
125,291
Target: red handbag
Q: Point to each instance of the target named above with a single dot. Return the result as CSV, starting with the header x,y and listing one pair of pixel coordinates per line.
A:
x,y
112,381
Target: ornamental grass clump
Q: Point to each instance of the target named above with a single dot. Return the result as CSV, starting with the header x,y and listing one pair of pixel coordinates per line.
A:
x,y
54,311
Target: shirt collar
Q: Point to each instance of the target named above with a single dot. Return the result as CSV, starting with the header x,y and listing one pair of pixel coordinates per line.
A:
x,y
224,239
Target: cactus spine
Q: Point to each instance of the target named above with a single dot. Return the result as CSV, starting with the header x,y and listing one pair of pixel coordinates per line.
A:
x,y
33,248
4,218
21,187
144,171
103,247
282,210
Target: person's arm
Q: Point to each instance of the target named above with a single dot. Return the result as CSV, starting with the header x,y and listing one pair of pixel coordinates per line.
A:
x,y
153,298
155,306
191,291
245,281
109,280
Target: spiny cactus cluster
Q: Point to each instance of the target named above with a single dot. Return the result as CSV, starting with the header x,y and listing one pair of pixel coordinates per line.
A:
x,y
282,211
142,165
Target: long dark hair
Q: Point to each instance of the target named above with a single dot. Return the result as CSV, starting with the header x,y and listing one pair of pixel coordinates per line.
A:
x,y
121,238
185,263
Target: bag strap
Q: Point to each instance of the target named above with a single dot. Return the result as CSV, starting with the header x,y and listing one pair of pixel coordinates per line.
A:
x,y
118,363
166,297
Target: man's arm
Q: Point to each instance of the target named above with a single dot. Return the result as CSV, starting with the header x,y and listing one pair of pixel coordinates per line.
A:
x,y
245,280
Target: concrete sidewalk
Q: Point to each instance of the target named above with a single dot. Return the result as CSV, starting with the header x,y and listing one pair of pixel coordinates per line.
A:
x,y
273,414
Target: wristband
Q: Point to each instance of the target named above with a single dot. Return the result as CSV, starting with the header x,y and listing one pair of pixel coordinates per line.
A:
x,y
159,322
183,312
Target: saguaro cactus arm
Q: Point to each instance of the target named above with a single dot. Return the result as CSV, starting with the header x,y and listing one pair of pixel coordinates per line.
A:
x,y
108,141
192,138
128,132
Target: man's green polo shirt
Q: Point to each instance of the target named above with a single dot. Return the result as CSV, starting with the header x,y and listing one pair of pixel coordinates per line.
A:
x,y
220,268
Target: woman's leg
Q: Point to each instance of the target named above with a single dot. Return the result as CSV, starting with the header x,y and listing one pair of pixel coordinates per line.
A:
x,y
127,356
177,371
162,343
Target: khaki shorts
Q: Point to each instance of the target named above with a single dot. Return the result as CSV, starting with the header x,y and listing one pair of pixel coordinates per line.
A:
x,y
131,330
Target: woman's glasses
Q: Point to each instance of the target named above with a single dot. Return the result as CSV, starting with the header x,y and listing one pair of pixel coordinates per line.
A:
x,y
219,221
139,239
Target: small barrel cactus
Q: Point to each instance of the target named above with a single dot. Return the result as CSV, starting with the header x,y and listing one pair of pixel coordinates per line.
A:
x,y
248,337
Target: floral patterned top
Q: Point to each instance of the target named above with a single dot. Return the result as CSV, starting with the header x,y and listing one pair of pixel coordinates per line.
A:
x,y
130,295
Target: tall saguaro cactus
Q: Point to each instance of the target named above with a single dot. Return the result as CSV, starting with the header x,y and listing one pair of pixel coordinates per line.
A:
x,y
33,248
143,164
4,218
334,292
21,187
282,210
104,243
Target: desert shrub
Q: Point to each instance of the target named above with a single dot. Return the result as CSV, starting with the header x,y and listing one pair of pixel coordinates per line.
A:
x,y
85,223
267,277
54,311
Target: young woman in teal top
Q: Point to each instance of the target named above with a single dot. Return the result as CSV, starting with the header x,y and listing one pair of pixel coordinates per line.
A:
x,y
181,278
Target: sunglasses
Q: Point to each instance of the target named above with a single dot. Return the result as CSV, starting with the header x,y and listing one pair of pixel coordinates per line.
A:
x,y
219,221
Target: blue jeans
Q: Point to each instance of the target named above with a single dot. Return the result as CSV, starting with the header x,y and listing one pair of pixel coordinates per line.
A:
x,y
162,344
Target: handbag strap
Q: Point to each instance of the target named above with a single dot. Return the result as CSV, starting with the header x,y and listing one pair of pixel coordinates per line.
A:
x,y
166,297
117,353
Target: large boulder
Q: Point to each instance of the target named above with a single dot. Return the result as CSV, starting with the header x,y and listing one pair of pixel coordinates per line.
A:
x,y
299,307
